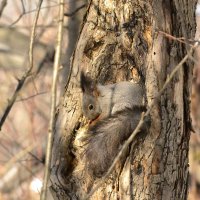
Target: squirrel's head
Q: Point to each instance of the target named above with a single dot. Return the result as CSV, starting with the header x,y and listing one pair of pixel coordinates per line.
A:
x,y
90,105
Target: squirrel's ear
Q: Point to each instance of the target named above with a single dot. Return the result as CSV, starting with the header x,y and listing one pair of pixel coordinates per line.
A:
x,y
87,84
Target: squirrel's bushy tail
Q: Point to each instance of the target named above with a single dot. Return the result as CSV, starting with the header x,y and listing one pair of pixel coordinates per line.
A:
x,y
106,137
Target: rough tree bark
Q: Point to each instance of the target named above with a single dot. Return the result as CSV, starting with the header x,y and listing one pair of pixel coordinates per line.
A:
x,y
120,40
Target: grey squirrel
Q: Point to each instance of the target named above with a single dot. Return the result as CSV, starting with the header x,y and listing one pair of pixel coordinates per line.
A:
x,y
114,111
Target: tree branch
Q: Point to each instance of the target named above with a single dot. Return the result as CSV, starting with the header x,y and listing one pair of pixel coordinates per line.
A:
x,y
27,73
53,100
2,6
21,15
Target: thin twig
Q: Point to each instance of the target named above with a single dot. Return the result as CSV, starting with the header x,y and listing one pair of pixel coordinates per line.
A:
x,y
2,6
140,124
30,11
30,97
21,15
181,40
27,73
16,157
53,101
181,14
50,25
187,42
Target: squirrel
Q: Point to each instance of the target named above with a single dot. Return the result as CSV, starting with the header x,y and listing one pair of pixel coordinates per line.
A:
x,y
114,111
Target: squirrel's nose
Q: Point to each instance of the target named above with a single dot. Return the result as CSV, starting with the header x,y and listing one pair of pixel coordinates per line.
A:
x,y
95,120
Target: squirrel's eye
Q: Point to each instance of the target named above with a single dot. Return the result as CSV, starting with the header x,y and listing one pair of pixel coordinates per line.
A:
x,y
90,107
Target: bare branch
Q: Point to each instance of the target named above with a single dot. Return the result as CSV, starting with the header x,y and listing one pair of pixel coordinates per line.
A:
x,y
180,11
141,122
53,101
30,97
24,12
8,180
21,15
181,40
187,42
18,156
2,6
27,73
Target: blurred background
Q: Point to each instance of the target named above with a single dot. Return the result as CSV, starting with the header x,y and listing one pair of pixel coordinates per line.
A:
x,y
24,133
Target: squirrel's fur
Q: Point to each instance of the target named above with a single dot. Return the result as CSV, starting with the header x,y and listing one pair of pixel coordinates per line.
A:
x,y
106,137
114,111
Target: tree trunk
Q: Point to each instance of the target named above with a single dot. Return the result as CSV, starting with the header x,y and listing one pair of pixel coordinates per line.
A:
x,y
120,40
